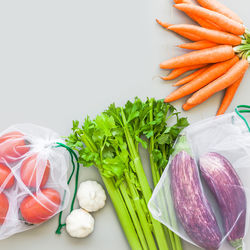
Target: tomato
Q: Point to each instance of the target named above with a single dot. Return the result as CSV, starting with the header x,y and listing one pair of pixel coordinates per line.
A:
x,y
31,170
41,207
12,146
5,173
4,207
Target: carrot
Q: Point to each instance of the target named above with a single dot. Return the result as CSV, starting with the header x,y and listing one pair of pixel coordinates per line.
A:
x,y
211,55
205,23
163,24
215,36
183,1
184,34
204,44
189,36
223,21
212,73
177,72
224,105
233,74
190,77
187,107
220,8
228,97
202,22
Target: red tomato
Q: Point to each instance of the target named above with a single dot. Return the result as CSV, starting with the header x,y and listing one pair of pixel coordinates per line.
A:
x,y
31,169
12,146
42,207
4,207
4,174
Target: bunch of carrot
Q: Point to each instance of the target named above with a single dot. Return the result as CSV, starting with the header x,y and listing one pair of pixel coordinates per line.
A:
x,y
221,45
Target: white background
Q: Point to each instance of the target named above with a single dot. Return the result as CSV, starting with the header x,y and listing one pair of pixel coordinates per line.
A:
x,y
61,60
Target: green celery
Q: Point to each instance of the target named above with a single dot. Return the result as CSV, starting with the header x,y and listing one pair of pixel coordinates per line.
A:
x,y
123,214
158,229
156,175
165,140
133,215
110,142
119,205
144,223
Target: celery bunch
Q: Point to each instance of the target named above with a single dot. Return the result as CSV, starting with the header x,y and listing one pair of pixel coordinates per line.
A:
x,y
111,143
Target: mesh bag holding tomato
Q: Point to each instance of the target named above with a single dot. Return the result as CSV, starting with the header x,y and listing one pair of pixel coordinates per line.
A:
x,y
33,177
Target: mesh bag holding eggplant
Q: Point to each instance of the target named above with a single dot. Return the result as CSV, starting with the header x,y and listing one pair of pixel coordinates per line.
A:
x,y
203,193
33,177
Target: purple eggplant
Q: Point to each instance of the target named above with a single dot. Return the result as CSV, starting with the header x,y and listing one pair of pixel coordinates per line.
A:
x,y
191,205
226,186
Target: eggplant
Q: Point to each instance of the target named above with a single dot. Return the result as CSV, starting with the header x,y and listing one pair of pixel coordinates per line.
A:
x,y
192,207
228,190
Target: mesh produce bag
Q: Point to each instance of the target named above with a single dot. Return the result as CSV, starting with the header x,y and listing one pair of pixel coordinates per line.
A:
x,y
203,193
33,177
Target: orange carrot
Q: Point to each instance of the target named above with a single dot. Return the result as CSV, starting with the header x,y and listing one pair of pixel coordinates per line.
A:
x,y
187,107
228,97
204,44
212,73
184,34
202,22
223,21
177,72
211,55
233,74
190,77
220,8
215,36
189,36
224,105
205,23
183,1
163,24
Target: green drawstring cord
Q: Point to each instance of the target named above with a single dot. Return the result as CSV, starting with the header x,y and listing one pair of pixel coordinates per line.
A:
x,y
239,112
73,157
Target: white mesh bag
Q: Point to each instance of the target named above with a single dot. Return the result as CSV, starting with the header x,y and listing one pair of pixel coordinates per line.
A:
x,y
203,194
33,177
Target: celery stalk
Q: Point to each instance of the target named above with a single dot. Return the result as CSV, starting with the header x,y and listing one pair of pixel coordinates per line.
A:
x,y
122,214
133,215
144,223
146,190
175,240
119,205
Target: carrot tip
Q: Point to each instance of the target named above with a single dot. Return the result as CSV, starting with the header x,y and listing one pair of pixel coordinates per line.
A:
x,y
177,84
163,24
162,66
165,78
167,99
187,107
